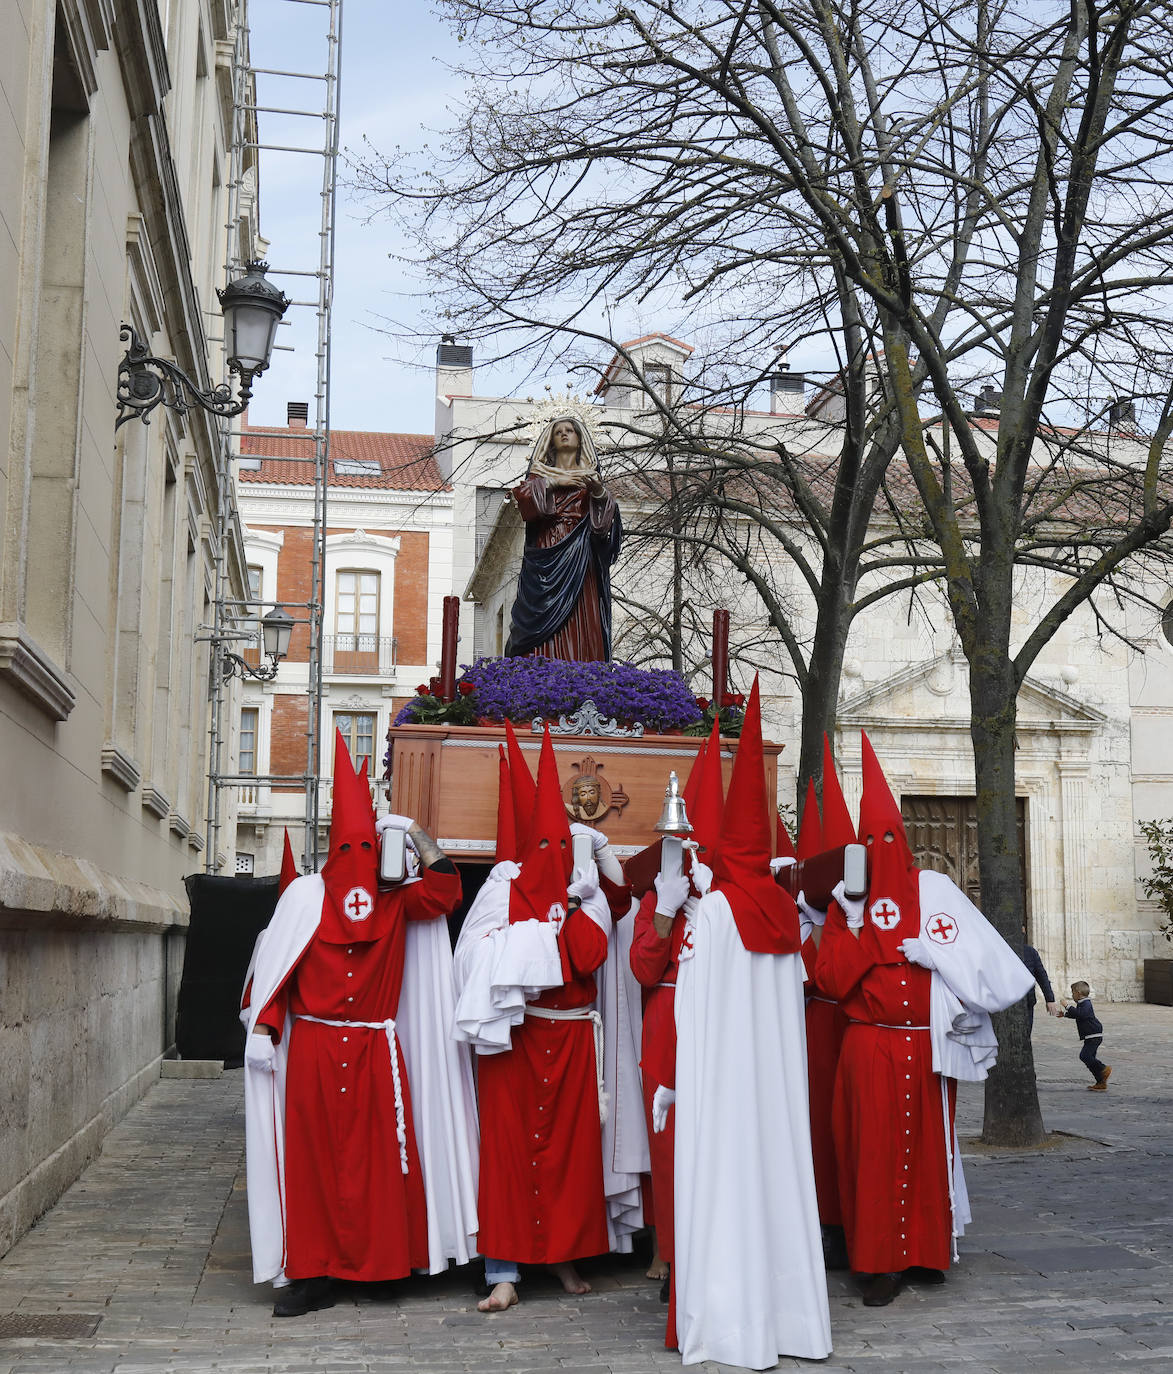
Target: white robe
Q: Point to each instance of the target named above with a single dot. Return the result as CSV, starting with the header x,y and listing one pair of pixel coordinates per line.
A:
x,y
625,1132
439,1073
750,1282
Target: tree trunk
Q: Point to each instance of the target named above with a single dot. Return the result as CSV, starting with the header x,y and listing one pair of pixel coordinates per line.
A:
x,y
1012,1115
820,696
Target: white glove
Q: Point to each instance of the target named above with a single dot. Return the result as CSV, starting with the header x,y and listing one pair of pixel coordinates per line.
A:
x,y
852,907
812,913
691,904
585,887
393,822
260,1053
598,839
702,876
916,951
777,864
671,892
662,1099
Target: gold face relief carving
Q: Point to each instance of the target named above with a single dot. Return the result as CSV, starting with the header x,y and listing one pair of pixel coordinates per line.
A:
x,y
589,796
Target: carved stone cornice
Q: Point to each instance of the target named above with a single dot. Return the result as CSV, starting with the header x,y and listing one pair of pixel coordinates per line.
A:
x,y
31,671
156,803
118,765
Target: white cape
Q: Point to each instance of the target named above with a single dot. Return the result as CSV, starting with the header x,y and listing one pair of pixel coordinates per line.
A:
x,y
750,1282
438,1072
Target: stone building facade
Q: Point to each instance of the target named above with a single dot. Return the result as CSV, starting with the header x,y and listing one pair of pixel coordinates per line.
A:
x,y
115,121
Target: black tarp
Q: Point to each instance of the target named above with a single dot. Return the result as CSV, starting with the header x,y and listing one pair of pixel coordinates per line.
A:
x,y
227,915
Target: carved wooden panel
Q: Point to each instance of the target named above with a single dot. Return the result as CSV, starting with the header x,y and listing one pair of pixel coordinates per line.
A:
x,y
942,832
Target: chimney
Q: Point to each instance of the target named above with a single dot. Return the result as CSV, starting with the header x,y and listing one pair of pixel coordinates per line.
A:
x,y
1122,414
987,404
453,368
297,414
787,392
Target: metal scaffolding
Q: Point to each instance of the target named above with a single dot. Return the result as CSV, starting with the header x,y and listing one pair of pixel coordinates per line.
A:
x,y
321,87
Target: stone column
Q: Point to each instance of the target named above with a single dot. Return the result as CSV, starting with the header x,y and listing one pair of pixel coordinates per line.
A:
x,y
1073,820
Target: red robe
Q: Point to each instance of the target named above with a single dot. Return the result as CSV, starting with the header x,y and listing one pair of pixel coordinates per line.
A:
x,y
887,1116
541,1186
555,512
352,1212
825,1027
654,961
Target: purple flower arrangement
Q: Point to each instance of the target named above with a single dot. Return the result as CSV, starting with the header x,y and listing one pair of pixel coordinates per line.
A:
x,y
519,689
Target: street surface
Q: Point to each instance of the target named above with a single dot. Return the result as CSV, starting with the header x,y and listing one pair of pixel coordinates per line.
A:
x,y
143,1266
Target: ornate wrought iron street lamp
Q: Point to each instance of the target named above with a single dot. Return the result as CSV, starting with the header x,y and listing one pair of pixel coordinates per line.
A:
x,y
276,628
252,308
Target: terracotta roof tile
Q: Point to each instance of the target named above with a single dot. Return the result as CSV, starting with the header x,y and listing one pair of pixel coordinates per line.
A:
x,y
405,462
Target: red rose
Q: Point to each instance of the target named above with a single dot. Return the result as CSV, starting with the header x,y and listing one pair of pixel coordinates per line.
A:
x,y
703,703
467,688
423,690
734,699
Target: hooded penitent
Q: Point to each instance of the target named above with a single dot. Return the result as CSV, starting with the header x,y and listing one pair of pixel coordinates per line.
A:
x,y
783,844
892,906
350,872
767,919
288,867
545,852
837,826
810,827
707,806
506,832
521,782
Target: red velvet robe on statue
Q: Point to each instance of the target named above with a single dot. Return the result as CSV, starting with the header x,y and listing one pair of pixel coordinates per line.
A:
x,y
541,1192
888,1121
825,1027
352,1212
654,961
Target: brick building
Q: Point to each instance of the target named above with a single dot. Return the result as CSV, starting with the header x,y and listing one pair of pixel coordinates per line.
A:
x,y
388,568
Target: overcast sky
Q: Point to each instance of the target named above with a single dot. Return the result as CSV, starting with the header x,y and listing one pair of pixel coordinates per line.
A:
x,y
394,84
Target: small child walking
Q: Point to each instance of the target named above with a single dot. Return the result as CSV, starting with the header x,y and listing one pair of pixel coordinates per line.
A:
x,y
1091,1035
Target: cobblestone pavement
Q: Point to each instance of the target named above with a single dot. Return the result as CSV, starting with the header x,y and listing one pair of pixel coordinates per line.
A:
x,y
1069,1263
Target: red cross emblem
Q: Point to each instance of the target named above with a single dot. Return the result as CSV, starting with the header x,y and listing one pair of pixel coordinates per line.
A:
x,y
942,929
358,904
885,913
686,940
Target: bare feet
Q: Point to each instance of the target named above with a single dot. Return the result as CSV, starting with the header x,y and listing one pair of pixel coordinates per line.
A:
x,y
658,1269
570,1279
501,1299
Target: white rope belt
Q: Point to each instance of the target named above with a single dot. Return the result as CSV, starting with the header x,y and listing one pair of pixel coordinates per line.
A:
x,y
879,1025
388,1027
580,1014
831,1002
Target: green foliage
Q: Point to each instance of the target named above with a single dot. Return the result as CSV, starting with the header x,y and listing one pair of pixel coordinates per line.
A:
x,y
1159,885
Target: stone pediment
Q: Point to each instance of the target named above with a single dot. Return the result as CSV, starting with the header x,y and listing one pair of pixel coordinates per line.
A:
x,y
937,691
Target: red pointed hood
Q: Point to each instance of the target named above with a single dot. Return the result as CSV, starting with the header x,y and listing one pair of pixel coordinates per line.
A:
x,y
767,919
506,831
707,809
837,826
692,785
545,852
892,913
810,827
351,867
783,844
521,780
288,866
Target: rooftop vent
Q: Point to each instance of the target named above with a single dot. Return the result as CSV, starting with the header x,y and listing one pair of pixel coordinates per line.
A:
x,y
297,414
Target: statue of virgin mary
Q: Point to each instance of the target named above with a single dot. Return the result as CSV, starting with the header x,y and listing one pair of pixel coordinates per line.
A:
x,y
572,535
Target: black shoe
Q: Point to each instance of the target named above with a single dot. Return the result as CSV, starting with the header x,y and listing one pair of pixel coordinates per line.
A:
x,y
302,1296
880,1289
917,1273
666,1286
835,1248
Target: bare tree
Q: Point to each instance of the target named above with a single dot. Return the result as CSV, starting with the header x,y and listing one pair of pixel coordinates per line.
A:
x,y
939,195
